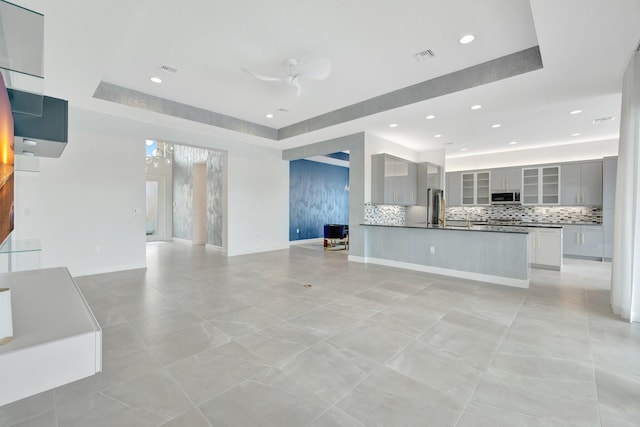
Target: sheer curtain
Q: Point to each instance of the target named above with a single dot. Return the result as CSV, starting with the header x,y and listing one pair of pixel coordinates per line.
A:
x,y
625,274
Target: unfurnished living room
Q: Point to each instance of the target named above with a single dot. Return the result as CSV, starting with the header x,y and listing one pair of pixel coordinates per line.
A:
x,y
363,213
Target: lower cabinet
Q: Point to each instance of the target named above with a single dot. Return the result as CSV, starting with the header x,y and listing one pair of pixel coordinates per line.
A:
x,y
585,241
546,248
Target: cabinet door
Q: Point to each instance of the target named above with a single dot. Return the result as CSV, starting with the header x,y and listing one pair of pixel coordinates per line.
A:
x,y
530,186
498,179
572,240
591,180
378,187
550,185
468,189
609,172
483,192
410,184
592,241
454,187
570,184
512,178
549,247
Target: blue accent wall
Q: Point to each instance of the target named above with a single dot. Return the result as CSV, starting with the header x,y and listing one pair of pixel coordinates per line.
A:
x,y
317,196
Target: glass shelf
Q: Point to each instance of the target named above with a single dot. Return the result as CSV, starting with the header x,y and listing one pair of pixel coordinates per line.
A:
x,y
14,245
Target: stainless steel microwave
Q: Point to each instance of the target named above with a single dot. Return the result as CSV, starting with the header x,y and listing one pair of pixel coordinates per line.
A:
x,y
505,198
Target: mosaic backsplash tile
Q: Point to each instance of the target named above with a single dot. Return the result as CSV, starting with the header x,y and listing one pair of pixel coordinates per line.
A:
x,y
384,214
544,214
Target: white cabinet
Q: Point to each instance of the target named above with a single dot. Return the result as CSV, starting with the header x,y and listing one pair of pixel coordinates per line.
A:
x,y
541,185
476,188
506,179
453,194
582,184
393,180
546,248
583,241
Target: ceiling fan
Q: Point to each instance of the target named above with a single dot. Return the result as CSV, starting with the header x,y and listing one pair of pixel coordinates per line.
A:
x,y
298,71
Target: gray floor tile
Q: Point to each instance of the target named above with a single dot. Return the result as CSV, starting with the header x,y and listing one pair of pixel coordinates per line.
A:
x,y
329,370
245,322
173,346
448,373
26,408
280,343
155,392
253,403
372,341
388,398
207,374
193,418
47,419
619,399
477,322
289,306
409,322
324,322
334,417
486,416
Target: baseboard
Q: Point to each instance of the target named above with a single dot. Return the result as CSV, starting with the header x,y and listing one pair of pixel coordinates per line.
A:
x,y
103,270
497,280
303,241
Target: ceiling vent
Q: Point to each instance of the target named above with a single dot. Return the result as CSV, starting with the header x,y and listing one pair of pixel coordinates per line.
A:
x,y
168,69
424,55
603,119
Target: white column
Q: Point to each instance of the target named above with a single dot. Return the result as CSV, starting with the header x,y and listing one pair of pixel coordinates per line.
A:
x,y
625,275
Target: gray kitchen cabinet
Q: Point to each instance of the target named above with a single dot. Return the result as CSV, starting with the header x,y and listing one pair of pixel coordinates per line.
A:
x,y
393,180
428,177
546,248
582,184
453,191
541,185
506,179
583,241
476,188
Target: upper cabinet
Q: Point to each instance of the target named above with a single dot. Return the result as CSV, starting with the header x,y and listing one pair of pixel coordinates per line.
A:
x,y
453,192
506,179
393,180
541,185
428,177
582,184
476,188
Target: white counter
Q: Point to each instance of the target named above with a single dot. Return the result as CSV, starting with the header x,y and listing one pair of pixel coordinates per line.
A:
x,y
56,339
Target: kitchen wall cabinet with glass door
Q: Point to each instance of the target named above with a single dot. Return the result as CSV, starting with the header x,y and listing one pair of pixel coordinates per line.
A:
x,y
541,185
476,188
393,180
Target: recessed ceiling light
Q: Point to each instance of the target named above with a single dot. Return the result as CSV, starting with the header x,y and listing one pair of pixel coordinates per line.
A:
x,y
476,107
575,112
393,125
463,149
468,38
437,135
430,117
497,125
156,79
575,134
513,142
269,116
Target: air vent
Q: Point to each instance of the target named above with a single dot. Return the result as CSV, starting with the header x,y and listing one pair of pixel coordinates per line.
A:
x,y
168,69
603,119
424,55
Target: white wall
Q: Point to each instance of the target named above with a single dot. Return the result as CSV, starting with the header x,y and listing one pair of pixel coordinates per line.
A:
x,y
81,205
558,153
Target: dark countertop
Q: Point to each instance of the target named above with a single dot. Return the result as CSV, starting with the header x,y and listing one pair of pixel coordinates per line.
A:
x,y
481,228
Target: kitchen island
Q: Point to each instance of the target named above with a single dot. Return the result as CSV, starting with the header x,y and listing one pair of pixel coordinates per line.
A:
x,y
494,254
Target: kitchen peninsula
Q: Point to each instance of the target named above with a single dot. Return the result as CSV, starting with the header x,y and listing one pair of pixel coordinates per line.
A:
x,y
487,253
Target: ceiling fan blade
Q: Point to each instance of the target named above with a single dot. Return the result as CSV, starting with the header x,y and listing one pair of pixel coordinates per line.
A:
x,y
316,70
261,77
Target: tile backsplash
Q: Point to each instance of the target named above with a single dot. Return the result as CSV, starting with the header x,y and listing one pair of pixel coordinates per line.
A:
x,y
384,214
545,214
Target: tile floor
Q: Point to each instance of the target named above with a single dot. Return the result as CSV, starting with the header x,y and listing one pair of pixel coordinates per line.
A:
x,y
202,340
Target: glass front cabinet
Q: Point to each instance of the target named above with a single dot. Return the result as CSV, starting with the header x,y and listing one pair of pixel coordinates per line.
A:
x,y
476,188
541,186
